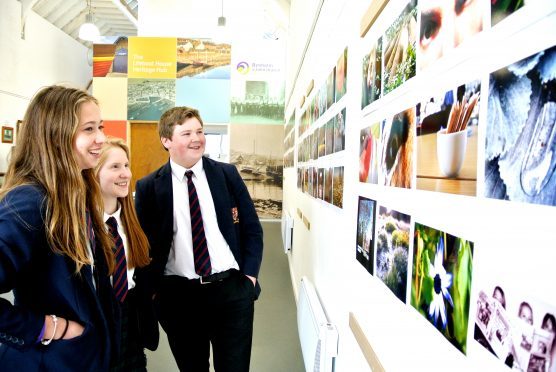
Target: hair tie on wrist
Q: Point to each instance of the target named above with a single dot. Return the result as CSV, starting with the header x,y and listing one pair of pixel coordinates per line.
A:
x,y
65,329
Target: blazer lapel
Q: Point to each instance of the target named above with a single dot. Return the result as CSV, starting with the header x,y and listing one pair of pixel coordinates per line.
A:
x,y
220,195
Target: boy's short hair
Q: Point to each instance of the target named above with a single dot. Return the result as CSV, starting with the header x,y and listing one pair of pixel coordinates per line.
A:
x,y
176,116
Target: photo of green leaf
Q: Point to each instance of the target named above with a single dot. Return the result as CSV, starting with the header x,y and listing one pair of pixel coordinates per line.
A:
x,y
441,282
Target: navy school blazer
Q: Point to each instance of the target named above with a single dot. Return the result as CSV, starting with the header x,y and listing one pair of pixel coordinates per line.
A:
x,y
45,283
242,230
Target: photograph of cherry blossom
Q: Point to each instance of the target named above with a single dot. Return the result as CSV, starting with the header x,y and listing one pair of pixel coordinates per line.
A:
x,y
500,9
441,282
372,74
364,247
396,160
369,154
399,51
392,250
517,328
341,76
521,131
338,187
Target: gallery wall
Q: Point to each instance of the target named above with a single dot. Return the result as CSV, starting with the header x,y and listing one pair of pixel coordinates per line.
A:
x,y
416,251
45,56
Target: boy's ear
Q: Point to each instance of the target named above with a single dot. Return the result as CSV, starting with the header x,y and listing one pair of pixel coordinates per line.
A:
x,y
165,142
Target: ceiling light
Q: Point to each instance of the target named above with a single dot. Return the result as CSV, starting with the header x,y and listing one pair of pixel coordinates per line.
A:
x,y
222,19
88,31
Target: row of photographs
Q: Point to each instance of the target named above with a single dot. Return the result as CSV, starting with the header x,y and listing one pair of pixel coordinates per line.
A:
x,y
331,91
194,58
435,270
442,26
324,140
441,135
326,184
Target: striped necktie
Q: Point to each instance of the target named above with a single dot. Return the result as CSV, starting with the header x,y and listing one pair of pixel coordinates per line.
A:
x,y
200,249
119,279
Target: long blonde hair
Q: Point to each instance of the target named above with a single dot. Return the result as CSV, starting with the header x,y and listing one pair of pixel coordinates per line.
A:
x,y
44,156
138,244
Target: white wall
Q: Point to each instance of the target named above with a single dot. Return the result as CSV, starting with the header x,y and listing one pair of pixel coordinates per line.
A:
x,y
513,241
46,56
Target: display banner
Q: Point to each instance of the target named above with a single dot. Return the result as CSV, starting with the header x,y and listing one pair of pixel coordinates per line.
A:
x,y
152,57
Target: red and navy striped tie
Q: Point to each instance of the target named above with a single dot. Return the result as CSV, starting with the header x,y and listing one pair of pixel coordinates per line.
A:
x,y
119,279
200,249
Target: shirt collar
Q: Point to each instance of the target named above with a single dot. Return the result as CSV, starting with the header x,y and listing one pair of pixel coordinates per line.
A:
x,y
116,214
179,172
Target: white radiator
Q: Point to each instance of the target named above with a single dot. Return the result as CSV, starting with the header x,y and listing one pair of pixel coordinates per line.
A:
x,y
319,338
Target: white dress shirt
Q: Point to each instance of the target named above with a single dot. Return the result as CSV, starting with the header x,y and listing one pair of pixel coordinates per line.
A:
x,y
121,231
180,259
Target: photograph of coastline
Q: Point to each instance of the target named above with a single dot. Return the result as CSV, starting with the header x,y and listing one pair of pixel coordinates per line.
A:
x,y
148,99
392,250
441,282
203,59
257,155
260,102
521,132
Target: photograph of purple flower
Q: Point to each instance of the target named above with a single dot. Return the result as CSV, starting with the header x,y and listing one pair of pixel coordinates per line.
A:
x,y
441,282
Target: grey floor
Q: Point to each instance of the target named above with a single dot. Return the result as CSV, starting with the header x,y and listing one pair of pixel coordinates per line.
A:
x,y
275,340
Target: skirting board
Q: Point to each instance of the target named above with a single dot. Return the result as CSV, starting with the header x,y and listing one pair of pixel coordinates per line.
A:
x,y
364,344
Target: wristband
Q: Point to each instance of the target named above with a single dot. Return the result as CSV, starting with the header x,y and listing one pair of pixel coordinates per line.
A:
x,y
65,329
47,342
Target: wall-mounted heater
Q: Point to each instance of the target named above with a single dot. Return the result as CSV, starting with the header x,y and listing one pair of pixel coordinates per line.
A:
x,y
318,337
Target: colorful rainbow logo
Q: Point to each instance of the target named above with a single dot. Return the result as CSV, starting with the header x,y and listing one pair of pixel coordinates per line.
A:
x,y
243,68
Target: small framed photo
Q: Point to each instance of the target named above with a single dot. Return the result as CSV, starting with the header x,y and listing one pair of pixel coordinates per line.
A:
x,y
7,135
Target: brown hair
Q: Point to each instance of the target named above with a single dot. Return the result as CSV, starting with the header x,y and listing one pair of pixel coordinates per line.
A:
x,y
176,116
137,242
44,155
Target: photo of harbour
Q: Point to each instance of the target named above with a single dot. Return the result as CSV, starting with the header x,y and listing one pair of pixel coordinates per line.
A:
x,y
148,99
257,152
203,59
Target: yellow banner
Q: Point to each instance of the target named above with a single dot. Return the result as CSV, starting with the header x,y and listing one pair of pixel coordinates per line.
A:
x,y
152,57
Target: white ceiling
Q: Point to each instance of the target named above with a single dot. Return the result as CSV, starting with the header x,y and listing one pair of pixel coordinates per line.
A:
x,y
119,17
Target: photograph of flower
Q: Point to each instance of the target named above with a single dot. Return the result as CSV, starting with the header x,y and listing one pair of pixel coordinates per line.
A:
x,y
441,282
339,122
338,187
396,159
447,135
372,74
446,24
521,131
518,329
392,250
341,76
500,9
399,52
364,247
369,154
